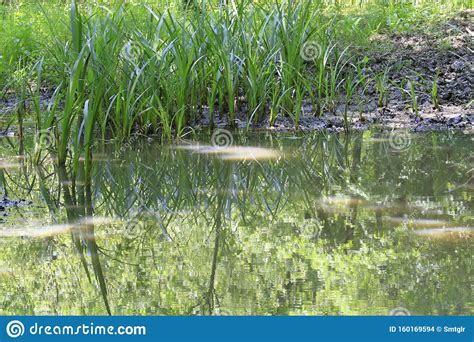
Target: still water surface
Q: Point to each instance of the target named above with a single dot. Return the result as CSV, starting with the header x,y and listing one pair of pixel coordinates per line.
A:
x,y
276,224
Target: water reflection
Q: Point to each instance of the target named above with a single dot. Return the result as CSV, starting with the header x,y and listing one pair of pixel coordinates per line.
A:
x,y
321,224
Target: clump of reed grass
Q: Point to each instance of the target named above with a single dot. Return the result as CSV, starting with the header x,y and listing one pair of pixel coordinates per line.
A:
x,y
168,70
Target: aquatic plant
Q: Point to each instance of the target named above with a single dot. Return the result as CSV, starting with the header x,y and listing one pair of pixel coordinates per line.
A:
x,y
382,84
413,97
350,86
434,92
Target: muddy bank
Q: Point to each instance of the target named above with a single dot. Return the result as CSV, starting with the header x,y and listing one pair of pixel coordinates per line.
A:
x,y
448,118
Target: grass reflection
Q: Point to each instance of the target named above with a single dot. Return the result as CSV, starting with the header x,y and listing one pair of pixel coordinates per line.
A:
x,y
340,225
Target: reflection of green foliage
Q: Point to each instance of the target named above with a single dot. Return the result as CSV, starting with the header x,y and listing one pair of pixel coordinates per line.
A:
x,y
307,234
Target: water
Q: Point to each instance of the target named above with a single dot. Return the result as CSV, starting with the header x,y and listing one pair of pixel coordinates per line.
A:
x,y
316,224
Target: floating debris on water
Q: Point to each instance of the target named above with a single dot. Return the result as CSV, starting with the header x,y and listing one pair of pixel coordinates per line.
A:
x,y
99,220
56,229
234,152
422,223
98,157
403,206
36,232
6,272
250,153
378,140
442,233
342,200
71,183
5,164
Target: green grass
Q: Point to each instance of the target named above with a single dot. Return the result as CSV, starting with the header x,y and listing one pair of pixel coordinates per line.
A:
x,y
113,68
434,92
382,88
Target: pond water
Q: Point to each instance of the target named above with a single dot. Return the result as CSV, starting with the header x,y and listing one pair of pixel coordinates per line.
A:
x,y
370,223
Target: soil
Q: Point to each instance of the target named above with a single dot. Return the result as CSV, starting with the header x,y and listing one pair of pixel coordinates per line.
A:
x,y
446,51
